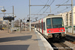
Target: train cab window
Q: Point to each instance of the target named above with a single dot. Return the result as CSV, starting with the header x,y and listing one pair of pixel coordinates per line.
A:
x,y
57,22
48,22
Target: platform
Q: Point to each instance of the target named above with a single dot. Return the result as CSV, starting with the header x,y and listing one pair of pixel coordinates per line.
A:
x,y
70,34
25,40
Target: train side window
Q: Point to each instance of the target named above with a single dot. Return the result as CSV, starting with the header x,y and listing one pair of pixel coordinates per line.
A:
x,y
48,23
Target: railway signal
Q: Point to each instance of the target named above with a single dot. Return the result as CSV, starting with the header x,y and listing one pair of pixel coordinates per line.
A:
x,y
10,18
28,20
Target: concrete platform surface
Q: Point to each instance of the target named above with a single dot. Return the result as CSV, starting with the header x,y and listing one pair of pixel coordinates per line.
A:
x,y
25,40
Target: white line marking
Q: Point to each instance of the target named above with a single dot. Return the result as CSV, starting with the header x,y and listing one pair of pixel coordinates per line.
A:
x,y
46,44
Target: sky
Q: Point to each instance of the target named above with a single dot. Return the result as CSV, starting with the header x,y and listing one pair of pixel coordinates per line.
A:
x,y
21,7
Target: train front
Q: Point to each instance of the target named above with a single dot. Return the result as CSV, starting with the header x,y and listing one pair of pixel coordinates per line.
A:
x,y
55,27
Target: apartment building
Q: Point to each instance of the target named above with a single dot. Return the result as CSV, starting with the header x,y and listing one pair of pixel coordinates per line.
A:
x,y
67,17
74,16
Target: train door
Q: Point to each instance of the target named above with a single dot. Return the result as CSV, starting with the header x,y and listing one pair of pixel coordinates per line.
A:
x,y
42,25
39,25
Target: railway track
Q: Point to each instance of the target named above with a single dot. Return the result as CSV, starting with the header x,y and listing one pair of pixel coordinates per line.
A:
x,y
59,45
69,38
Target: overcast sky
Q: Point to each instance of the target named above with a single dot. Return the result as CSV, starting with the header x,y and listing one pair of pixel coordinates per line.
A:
x,y
21,7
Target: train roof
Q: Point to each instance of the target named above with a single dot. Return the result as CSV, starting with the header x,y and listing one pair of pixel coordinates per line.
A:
x,y
52,16
49,16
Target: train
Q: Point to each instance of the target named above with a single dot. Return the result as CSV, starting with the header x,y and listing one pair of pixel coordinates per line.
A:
x,y
51,26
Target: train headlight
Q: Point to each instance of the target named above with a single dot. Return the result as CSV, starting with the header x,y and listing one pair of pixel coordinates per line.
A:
x,y
49,31
62,30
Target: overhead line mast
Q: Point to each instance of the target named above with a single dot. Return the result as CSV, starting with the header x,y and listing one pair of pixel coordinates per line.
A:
x,y
30,10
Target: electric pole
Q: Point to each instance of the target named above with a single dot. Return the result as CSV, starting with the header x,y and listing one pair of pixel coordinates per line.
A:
x,y
30,13
72,15
30,10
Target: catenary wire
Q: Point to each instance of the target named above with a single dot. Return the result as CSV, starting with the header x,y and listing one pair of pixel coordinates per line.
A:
x,y
57,7
43,7
50,5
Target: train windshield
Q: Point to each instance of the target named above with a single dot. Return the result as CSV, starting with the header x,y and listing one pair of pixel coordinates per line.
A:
x,y
57,22
48,22
54,22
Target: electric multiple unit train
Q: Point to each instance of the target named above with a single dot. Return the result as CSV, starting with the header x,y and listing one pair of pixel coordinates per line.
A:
x,y
51,26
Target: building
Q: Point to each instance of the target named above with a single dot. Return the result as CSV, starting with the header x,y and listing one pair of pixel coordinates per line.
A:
x,y
67,17
2,22
74,16
16,23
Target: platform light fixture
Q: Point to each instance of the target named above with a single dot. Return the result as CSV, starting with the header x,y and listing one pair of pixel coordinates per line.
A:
x,y
3,9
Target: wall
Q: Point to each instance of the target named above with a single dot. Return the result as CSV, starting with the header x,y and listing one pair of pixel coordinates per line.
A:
x,y
74,16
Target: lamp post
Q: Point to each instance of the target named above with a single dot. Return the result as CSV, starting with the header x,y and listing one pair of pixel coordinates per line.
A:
x,y
3,10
